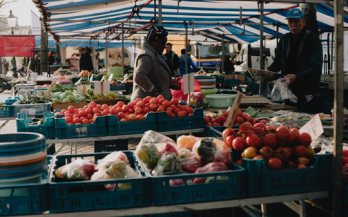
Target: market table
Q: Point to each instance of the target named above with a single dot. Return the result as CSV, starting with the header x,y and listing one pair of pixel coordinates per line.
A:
x,y
272,106
243,203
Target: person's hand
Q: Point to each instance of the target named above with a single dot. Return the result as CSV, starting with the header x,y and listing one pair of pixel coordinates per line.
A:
x,y
291,77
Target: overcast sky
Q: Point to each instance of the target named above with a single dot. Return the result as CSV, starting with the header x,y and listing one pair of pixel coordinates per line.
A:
x,y
21,9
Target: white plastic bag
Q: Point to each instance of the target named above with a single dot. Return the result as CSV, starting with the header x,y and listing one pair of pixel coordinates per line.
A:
x,y
281,91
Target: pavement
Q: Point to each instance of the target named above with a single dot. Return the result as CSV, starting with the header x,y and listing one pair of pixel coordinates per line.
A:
x,y
82,147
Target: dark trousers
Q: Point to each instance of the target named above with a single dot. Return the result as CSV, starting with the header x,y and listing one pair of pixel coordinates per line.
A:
x,y
304,106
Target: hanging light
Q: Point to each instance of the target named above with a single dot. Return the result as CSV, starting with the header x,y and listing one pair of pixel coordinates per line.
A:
x,y
11,20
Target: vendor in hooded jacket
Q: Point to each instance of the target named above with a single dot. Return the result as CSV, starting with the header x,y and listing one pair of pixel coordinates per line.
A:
x,y
299,58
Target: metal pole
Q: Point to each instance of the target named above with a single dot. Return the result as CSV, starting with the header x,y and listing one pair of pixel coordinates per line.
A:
x,y
199,56
154,9
106,55
262,66
122,51
43,49
160,13
332,54
1,66
222,55
277,36
338,109
185,48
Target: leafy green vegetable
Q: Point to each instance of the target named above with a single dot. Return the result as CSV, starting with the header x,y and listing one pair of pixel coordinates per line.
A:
x,y
33,99
66,100
61,88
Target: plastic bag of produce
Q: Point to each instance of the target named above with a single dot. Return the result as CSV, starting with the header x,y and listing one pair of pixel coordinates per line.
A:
x,y
204,149
212,167
148,154
168,164
189,163
281,91
187,141
79,169
116,155
154,137
167,147
223,156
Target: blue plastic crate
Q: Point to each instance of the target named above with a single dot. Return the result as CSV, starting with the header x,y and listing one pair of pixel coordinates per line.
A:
x,y
129,90
47,129
111,145
28,198
10,101
165,123
261,181
232,82
6,111
122,87
164,194
32,109
217,130
70,196
65,131
117,127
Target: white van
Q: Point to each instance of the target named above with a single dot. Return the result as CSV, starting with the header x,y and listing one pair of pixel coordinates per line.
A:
x,y
249,55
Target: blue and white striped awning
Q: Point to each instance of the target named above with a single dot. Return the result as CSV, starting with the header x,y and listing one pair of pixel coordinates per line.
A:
x,y
198,10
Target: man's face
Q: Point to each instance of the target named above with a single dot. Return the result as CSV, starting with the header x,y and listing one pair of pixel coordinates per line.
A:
x,y
160,44
296,25
168,48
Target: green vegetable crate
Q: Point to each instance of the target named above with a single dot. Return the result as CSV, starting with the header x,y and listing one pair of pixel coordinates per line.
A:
x,y
47,128
6,111
70,196
65,131
32,109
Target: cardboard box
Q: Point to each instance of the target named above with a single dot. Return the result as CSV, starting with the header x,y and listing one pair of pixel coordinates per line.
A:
x,y
58,106
240,77
230,76
109,102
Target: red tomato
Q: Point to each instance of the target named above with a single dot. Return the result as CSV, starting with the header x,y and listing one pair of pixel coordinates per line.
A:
x,y
64,111
153,101
174,101
177,110
345,153
123,119
88,110
295,130
214,124
167,103
137,100
260,125
68,119
191,114
291,152
283,133
140,117
274,163
170,109
89,116
239,120
304,139
259,131
301,151
271,128
293,137
181,114
206,119
229,140
96,110
120,104
130,110
239,113
266,152
105,106
263,121
244,127
121,115
209,124
82,113
282,153
258,157
96,115
250,119
190,110
103,113
169,113
174,116
131,105
239,144
76,120
227,132
132,117
71,109
244,116
138,111
270,140
99,106
250,152
173,106
153,107
140,103
254,141
160,97
125,108
146,100
303,160
118,110
70,123
146,109
94,104
161,101
85,121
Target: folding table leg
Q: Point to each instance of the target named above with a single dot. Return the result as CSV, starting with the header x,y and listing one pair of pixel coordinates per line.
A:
x,y
264,210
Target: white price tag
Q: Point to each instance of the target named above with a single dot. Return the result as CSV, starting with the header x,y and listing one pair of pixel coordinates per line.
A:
x,y
82,89
189,83
97,87
186,86
314,127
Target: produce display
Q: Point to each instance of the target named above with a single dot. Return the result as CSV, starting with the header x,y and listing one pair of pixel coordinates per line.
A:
x,y
162,156
281,148
211,119
2,104
66,97
198,99
62,72
61,80
345,166
113,166
61,88
32,99
84,73
91,95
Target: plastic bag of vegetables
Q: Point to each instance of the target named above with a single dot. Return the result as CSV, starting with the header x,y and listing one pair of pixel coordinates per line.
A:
x,y
189,163
80,169
205,149
168,164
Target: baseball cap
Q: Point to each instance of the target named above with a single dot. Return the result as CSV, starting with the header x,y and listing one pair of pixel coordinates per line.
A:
x,y
294,13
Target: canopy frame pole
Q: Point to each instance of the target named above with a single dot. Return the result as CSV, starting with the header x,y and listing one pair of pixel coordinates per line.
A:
x,y
277,35
122,51
338,109
199,56
159,13
262,66
186,66
332,55
106,54
154,10
222,55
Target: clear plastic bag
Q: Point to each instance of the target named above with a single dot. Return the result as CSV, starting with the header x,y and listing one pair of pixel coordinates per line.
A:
x,y
204,149
223,156
189,163
167,147
168,164
117,155
281,91
187,141
154,137
212,167
80,169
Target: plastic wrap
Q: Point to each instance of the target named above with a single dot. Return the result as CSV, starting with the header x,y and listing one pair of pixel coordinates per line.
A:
x,y
204,149
168,164
188,162
187,141
117,155
223,156
167,147
212,167
154,137
281,91
80,169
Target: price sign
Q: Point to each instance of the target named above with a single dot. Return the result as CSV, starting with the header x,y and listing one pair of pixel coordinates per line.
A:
x,y
189,83
314,127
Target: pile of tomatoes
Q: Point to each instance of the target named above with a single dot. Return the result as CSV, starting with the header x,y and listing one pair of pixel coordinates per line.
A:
x,y
281,148
240,119
136,110
345,166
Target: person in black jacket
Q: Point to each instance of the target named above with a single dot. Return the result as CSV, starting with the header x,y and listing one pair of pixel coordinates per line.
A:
x,y
52,58
86,60
172,60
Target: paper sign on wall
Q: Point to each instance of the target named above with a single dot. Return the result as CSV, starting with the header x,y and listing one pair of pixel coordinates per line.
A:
x,y
82,89
189,82
314,127
98,90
